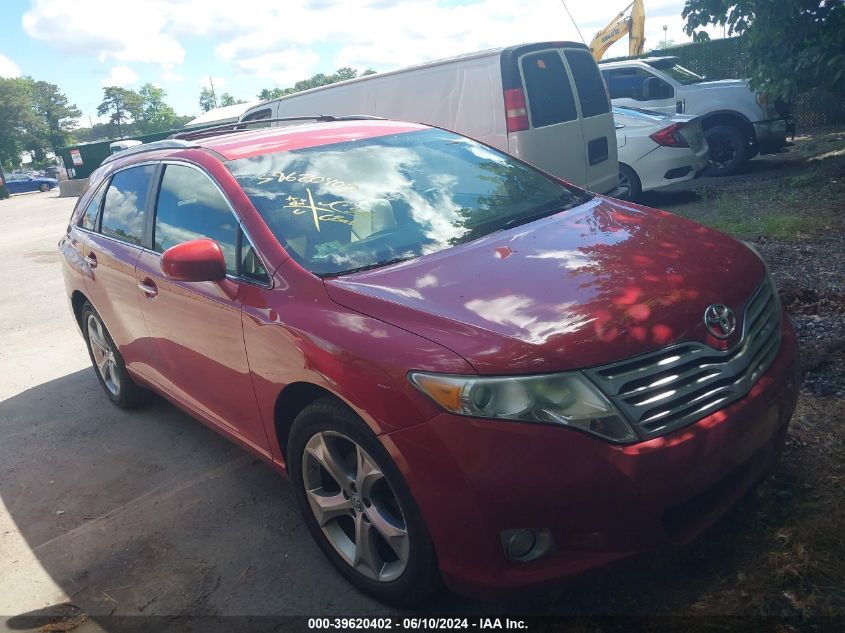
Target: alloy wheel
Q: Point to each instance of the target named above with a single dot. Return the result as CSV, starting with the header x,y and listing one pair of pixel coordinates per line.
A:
x,y
355,506
104,356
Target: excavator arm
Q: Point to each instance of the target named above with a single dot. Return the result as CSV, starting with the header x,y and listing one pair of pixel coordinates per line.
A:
x,y
633,26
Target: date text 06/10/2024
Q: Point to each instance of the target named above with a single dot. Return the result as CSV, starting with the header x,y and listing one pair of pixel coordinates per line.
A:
x,y
417,624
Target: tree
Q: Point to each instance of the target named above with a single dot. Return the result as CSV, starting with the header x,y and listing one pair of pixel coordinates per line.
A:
x,y
155,114
667,44
52,108
122,105
792,45
15,116
226,100
315,81
208,100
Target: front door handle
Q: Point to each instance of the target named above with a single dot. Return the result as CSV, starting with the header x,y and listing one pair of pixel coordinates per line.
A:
x,y
91,260
148,288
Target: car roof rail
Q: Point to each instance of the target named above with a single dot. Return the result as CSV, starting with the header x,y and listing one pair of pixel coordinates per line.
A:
x,y
168,143
240,126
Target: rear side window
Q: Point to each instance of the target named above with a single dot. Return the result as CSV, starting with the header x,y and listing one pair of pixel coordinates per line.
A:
x,y
190,207
88,221
126,197
592,94
549,92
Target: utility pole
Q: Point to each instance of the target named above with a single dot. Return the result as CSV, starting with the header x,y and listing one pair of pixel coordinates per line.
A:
x,y
665,28
213,96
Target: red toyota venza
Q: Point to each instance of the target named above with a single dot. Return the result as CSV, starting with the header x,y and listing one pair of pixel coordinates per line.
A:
x,y
470,371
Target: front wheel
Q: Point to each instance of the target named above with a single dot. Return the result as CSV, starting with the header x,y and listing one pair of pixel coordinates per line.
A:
x,y
729,150
358,507
44,187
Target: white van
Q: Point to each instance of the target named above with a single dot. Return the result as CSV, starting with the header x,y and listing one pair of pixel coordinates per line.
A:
x,y
545,103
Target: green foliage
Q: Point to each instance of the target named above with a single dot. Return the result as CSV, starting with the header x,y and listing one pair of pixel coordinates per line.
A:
x,y
226,100
315,81
792,45
155,114
34,117
208,100
122,106
666,44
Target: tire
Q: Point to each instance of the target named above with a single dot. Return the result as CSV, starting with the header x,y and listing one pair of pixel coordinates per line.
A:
x,y
729,150
108,363
629,180
333,455
44,187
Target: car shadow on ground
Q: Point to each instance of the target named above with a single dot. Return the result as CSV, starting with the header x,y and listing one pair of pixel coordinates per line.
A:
x,y
150,513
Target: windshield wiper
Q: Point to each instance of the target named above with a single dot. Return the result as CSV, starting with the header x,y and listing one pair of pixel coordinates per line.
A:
x,y
544,211
378,264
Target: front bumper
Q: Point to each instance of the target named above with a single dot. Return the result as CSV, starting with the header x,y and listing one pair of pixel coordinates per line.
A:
x,y
603,503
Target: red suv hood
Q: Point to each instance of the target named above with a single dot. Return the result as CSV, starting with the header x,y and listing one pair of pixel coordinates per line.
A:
x,y
601,282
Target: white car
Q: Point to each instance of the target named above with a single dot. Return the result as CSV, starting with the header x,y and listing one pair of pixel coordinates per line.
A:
x,y
657,150
738,122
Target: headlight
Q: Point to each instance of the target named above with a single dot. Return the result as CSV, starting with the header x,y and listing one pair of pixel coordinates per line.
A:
x,y
567,399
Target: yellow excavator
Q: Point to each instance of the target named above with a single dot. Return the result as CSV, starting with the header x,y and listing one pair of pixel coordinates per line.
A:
x,y
632,25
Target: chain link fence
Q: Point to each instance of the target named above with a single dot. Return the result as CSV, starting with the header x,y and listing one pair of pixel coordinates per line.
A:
x,y
726,59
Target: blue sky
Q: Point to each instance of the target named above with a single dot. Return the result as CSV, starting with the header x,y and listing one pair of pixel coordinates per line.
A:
x,y
247,45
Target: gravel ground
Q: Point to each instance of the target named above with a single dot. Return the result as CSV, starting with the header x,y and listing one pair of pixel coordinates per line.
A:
x,y
791,207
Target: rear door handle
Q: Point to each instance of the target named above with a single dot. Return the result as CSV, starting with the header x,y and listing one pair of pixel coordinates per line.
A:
x,y
91,260
148,288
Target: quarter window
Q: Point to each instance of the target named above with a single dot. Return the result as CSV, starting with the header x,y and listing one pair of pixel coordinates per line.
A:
x,y
190,207
549,91
126,197
88,221
592,94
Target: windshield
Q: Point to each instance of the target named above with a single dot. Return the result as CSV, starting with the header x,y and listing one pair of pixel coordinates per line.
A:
x,y
680,74
366,203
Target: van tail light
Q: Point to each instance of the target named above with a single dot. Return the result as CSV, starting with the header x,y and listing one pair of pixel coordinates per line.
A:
x,y
517,113
670,136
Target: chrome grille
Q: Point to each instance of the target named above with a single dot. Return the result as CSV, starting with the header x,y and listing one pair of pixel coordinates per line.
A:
x,y
677,385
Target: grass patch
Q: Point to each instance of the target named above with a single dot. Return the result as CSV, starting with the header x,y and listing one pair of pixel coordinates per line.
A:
x,y
733,215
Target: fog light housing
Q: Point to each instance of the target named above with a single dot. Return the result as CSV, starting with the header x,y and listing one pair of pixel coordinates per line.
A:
x,y
526,544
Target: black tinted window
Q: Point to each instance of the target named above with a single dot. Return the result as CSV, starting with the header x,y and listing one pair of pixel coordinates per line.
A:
x,y
637,84
123,210
190,207
591,91
89,217
549,92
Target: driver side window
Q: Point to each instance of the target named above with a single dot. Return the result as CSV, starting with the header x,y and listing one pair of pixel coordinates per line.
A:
x,y
190,207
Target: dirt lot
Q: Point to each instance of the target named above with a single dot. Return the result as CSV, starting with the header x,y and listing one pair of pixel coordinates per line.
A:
x,y
127,515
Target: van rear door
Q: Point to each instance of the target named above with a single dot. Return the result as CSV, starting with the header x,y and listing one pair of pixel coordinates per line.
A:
x,y
558,114
597,120
550,136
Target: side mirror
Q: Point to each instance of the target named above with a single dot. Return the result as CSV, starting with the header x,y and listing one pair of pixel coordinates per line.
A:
x,y
197,260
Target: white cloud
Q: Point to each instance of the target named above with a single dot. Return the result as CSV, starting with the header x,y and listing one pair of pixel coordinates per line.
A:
x,y
120,76
281,41
132,32
8,68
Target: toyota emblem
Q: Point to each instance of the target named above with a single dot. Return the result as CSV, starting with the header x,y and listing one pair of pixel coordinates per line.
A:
x,y
720,320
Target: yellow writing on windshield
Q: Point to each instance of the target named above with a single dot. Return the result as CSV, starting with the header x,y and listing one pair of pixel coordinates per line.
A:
x,y
337,211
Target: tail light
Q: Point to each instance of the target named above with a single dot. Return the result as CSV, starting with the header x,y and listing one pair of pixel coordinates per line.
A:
x,y
670,136
515,110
